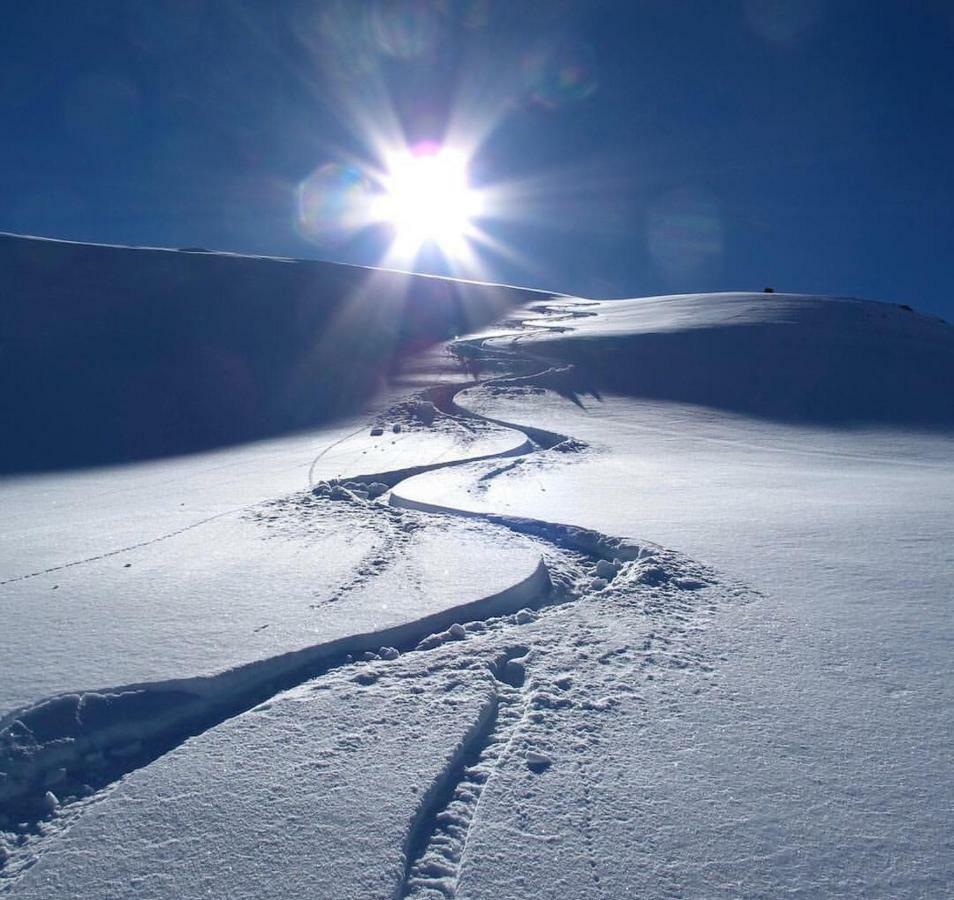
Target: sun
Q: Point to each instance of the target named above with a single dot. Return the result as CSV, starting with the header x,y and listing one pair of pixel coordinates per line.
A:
x,y
427,198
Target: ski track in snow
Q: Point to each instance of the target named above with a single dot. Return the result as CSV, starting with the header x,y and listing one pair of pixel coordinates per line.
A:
x,y
127,549
90,740
438,838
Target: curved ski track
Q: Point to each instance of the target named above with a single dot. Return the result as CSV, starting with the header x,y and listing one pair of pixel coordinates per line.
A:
x,y
128,727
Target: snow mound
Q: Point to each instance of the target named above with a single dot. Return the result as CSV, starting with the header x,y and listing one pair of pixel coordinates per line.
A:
x,y
786,357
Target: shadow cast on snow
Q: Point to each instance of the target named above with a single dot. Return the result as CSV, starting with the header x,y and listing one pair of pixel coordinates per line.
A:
x,y
114,354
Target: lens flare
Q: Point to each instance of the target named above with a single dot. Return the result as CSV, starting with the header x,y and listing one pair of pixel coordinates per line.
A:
x,y
685,236
405,29
333,203
561,75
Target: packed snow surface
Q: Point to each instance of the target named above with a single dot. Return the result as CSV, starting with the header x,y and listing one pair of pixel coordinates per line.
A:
x,y
648,610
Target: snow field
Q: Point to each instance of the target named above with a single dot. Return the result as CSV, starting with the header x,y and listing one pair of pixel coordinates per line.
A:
x,y
634,723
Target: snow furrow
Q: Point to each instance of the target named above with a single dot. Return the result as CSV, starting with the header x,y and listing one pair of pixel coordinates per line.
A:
x,y
398,475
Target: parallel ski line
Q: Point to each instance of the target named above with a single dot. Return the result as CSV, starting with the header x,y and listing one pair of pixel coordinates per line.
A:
x,y
437,840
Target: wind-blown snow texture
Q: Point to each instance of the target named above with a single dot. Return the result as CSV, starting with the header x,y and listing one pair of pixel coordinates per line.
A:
x,y
461,697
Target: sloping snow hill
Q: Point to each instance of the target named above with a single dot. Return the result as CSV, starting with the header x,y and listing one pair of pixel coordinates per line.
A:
x,y
819,763
113,354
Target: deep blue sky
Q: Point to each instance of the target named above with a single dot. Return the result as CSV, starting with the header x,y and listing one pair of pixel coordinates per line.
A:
x,y
658,145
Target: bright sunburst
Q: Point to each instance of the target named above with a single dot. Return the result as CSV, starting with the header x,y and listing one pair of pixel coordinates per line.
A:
x,y
427,198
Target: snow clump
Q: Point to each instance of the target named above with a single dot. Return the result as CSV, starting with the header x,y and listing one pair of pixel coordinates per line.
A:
x,y
424,411
537,762
350,490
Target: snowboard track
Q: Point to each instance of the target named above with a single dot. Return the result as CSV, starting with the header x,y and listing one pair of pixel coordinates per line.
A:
x,y
79,744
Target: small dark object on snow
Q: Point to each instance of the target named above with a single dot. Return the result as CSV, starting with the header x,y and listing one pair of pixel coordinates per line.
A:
x,y
538,762
768,290
905,307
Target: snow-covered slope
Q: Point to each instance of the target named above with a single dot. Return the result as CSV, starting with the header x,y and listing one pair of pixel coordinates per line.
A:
x,y
492,703
114,353
831,361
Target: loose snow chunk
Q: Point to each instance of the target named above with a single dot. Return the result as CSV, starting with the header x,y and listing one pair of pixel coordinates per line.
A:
x,y
338,492
51,801
376,489
425,411
431,641
601,704
597,584
377,431
688,584
537,762
546,700
389,653
606,569
652,575
455,633
515,672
